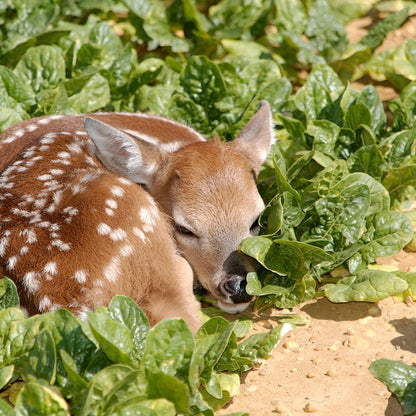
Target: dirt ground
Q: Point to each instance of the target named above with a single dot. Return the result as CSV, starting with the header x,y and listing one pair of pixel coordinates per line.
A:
x,y
322,367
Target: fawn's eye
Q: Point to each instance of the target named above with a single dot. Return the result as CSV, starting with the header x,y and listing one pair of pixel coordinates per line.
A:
x,y
255,227
180,229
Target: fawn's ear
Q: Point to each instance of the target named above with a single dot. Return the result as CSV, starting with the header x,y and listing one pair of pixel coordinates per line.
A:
x,y
133,158
256,137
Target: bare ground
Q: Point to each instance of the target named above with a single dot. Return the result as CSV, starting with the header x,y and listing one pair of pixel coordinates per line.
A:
x,y
322,368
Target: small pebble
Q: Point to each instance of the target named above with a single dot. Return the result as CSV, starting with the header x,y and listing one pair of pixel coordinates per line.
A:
x,y
310,375
335,346
350,331
290,345
316,360
310,408
252,388
280,408
331,373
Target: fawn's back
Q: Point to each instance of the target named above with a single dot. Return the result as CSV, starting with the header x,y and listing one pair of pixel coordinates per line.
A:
x,y
78,227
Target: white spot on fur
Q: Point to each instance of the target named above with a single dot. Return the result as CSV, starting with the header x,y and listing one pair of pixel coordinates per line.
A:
x,y
118,234
56,172
19,133
40,203
112,271
11,262
24,250
61,245
44,121
30,236
31,127
80,276
74,148
30,282
139,233
64,155
44,178
103,229
109,212
117,191
4,242
44,304
126,250
51,268
111,203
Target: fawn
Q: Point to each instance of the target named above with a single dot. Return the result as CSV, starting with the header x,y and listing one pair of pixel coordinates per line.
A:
x,y
128,203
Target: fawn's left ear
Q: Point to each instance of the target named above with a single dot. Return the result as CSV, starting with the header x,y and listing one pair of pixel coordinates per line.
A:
x,y
134,158
256,137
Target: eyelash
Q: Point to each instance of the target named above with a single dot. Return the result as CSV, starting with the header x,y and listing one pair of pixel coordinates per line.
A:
x,y
183,230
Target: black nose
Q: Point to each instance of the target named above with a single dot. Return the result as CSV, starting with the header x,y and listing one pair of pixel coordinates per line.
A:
x,y
236,288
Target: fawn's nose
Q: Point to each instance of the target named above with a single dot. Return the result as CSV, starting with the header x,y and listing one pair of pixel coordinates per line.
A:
x,y
235,287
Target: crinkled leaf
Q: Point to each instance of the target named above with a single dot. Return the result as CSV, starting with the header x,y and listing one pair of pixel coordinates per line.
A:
x,y
162,385
41,68
261,346
168,349
387,233
124,310
94,95
101,385
37,400
378,32
6,373
114,338
42,357
318,92
8,294
366,286
395,374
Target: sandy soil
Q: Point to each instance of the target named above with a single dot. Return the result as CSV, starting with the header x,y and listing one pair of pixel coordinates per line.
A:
x,y
322,368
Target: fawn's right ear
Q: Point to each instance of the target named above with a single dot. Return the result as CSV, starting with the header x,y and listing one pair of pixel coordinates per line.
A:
x,y
133,158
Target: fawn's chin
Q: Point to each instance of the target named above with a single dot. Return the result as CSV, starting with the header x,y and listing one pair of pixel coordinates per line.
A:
x,y
232,307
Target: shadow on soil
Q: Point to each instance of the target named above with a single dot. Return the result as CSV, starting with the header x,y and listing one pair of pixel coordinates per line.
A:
x,y
393,408
407,341
326,310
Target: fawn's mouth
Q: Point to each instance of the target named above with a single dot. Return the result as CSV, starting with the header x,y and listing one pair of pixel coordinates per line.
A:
x,y
230,307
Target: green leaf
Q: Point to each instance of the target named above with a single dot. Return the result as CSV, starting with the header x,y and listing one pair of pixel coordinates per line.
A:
x,y
261,346
387,233
73,343
37,400
8,294
42,357
366,286
124,310
169,347
114,338
93,96
162,385
101,385
401,184
155,407
5,409
378,32
41,68
156,26
395,374
134,387
319,91
6,374
325,31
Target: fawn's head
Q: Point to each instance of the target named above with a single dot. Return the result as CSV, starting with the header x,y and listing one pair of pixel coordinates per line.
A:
x,y
208,188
